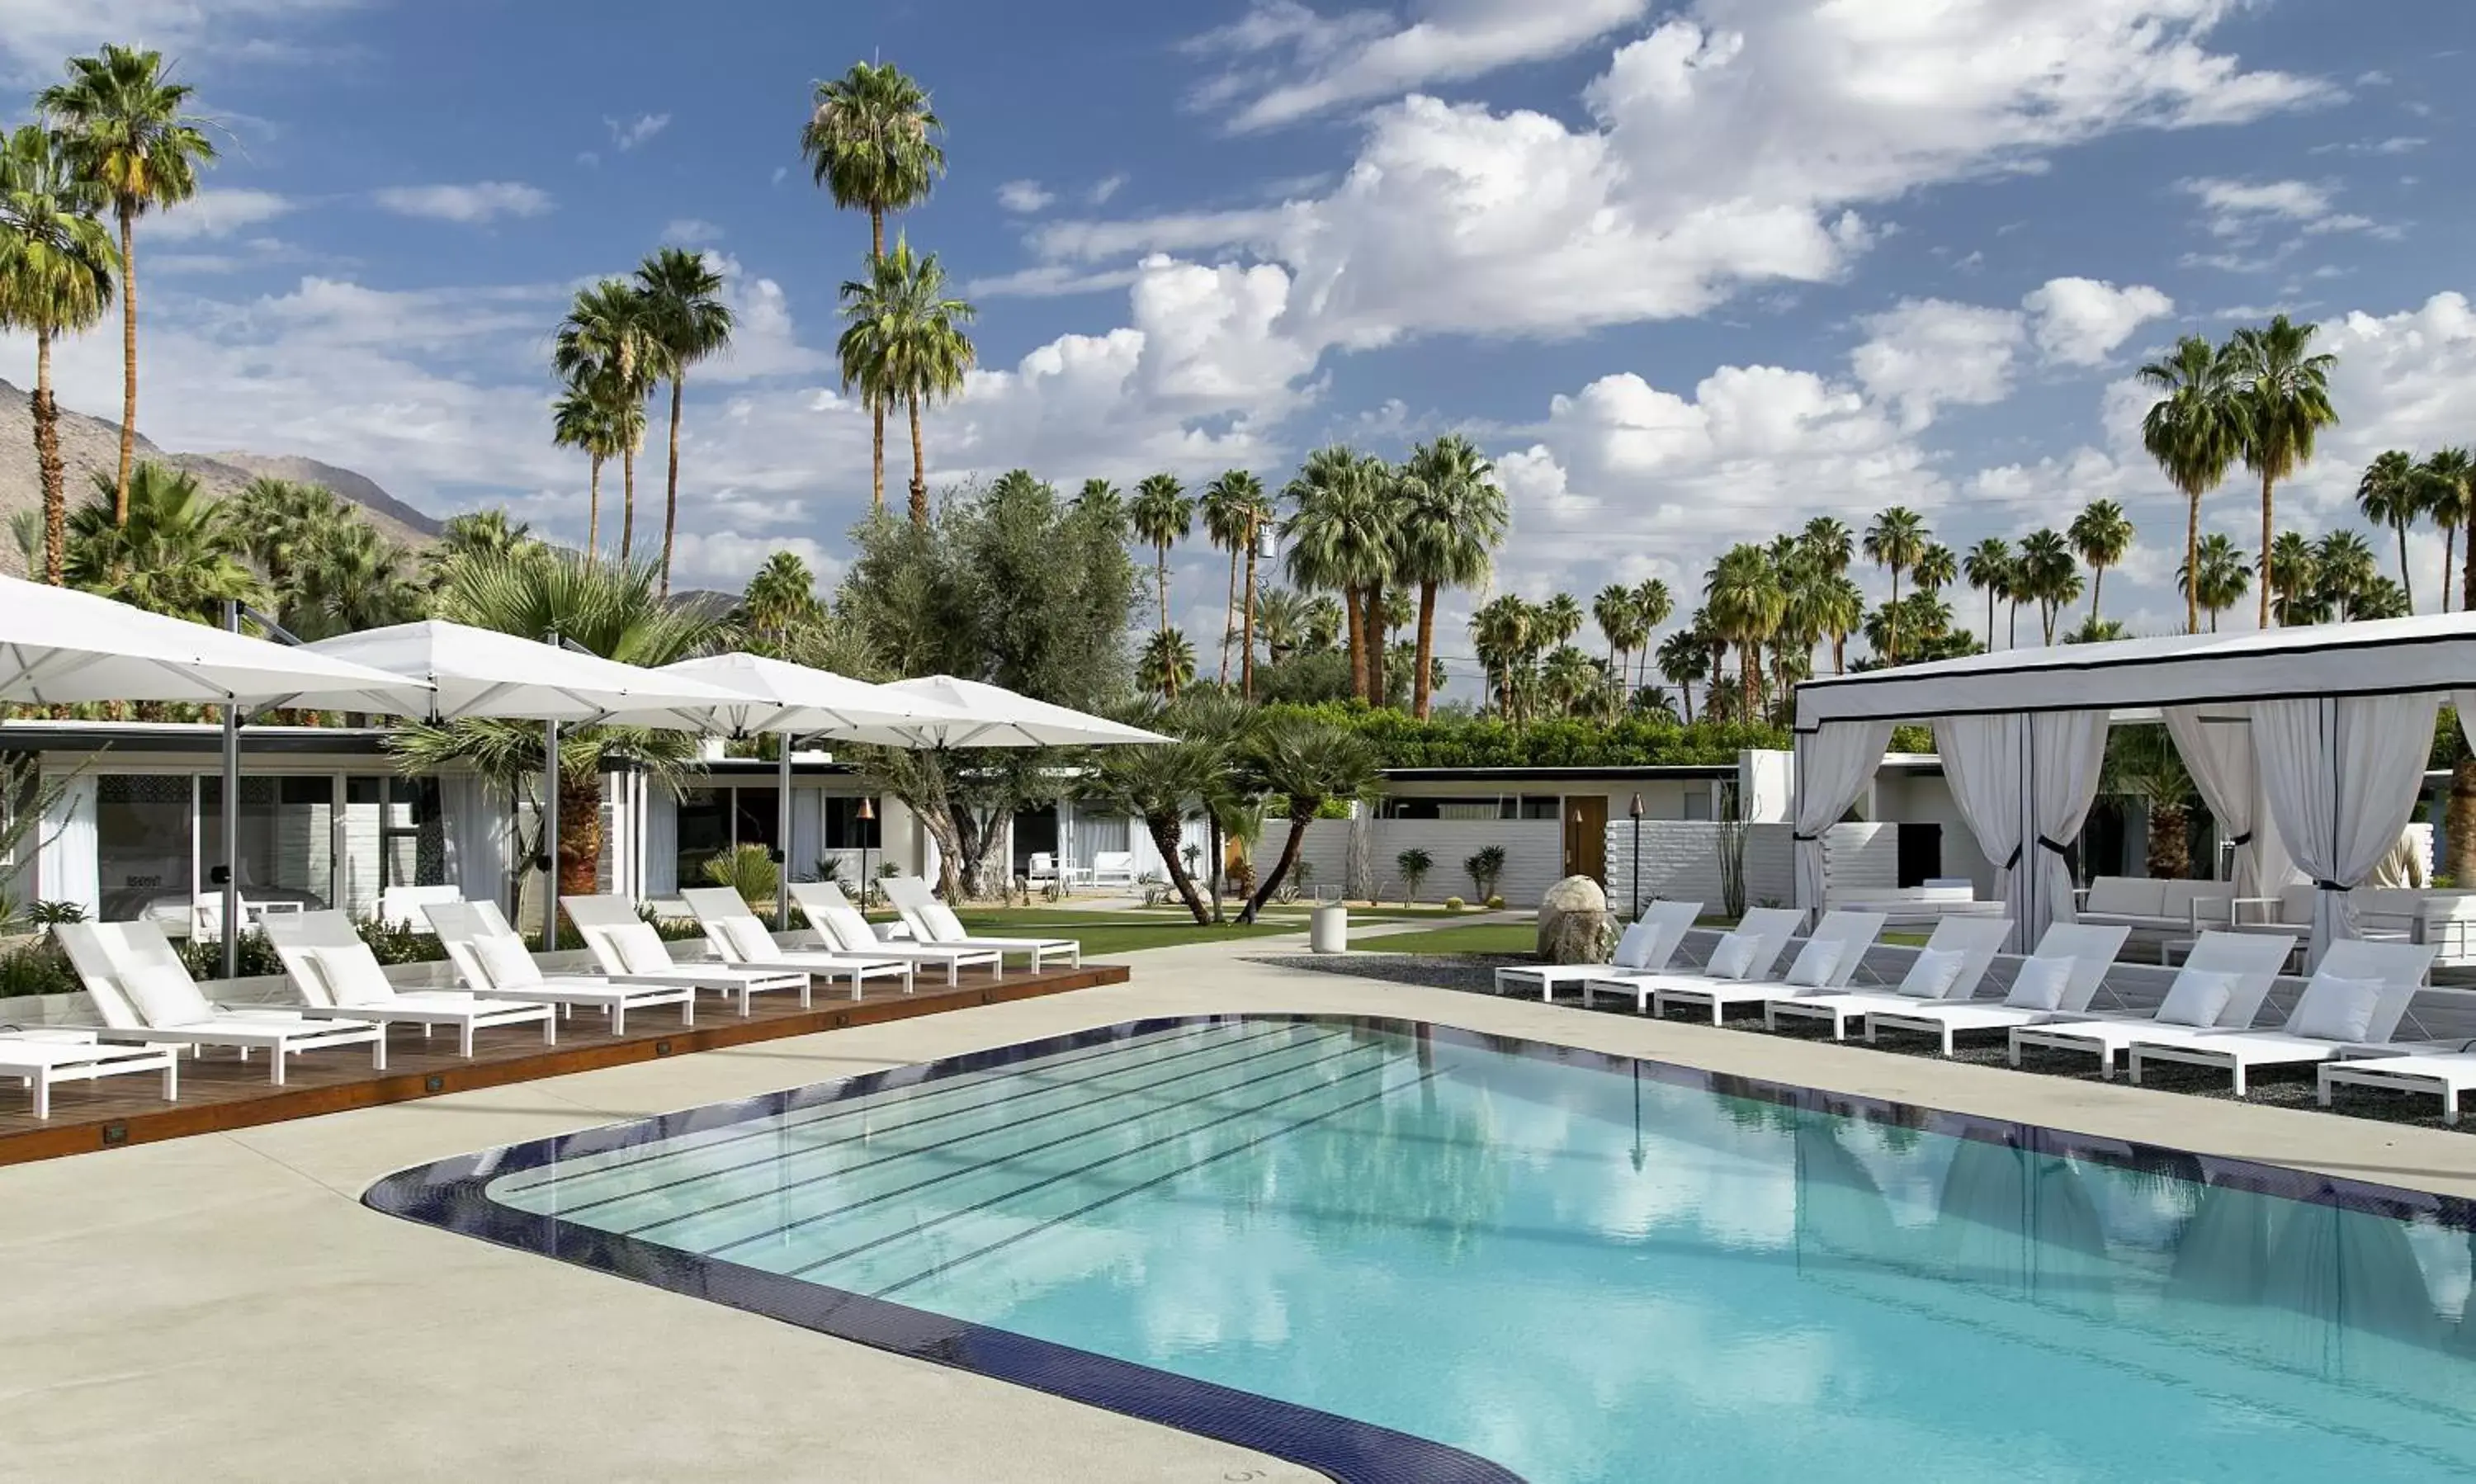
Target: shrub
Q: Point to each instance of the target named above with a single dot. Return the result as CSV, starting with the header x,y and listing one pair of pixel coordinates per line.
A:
x,y
1484,868
1414,864
750,871
38,967
1453,904
1496,904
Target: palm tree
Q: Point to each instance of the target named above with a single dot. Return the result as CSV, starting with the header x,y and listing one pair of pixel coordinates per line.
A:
x,y
1573,681
1283,616
2284,389
1684,663
1742,601
2196,431
1895,541
1989,567
177,553
57,272
1839,606
1560,618
1167,663
1620,625
1343,536
1306,764
780,601
1654,604
476,534
871,140
1937,568
1453,517
1162,515
2447,481
1826,543
2049,575
606,346
352,578
2224,577
904,342
121,121
1505,635
2101,533
2391,494
1100,499
1228,509
2345,573
2293,571
685,322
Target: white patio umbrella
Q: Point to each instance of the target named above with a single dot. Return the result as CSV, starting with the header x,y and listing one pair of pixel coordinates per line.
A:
x,y
994,716
58,645
784,700
473,672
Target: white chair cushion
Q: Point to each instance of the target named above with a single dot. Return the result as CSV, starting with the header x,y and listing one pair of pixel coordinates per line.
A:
x,y
1630,946
351,974
1734,956
504,962
1934,973
164,994
1815,962
942,922
749,939
2335,1009
639,947
849,927
2197,998
2041,984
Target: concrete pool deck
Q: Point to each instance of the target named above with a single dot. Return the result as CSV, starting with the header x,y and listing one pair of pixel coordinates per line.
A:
x,y
223,1307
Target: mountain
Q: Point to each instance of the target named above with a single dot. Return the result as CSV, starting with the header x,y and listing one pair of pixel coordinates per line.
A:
x,y
90,444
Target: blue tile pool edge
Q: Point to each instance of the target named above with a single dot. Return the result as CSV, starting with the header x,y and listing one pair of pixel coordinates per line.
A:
x,y
452,1195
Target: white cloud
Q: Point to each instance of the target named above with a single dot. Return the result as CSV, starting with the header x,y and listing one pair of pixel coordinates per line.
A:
x,y
1025,197
35,34
1104,187
690,232
1358,56
483,200
2399,144
2079,322
764,342
214,214
724,560
1047,281
626,133
2241,210
1928,352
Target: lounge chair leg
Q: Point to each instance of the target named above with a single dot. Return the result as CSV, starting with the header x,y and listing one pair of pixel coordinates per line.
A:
x,y
1715,1006
274,1064
463,1041
2013,1053
618,1018
172,1079
1946,1043
550,1030
2240,1079
2135,1060
2449,1105
43,1097
687,1010
378,1052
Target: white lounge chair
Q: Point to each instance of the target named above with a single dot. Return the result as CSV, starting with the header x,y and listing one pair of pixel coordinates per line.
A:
x,y
2081,953
142,992
742,939
629,951
42,1057
1971,941
846,930
1767,929
2249,962
2351,1007
1647,946
1824,963
931,921
1113,868
2444,1074
492,959
341,980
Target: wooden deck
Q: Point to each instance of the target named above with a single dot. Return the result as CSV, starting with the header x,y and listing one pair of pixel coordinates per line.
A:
x,y
221,1092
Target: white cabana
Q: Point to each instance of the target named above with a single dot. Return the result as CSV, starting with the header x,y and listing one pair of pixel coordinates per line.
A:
x,y
473,672
2309,744
59,646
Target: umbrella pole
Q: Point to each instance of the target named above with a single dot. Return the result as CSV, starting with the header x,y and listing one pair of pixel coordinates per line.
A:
x,y
782,834
550,838
232,818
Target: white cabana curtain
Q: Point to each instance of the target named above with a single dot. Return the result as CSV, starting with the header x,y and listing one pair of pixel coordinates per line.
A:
x,y
2024,785
478,842
68,864
2067,754
1834,764
2216,747
2341,776
1983,760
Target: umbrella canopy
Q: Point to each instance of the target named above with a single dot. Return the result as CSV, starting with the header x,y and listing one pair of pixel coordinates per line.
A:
x,y
481,672
994,716
59,645
777,696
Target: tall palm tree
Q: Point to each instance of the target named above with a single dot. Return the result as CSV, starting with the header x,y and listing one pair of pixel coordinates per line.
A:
x,y
123,122
1453,517
603,424
1895,541
1684,663
1506,635
2196,431
685,322
58,268
1839,606
2101,533
1228,509
1827,544
2293,571
2220,579
2391,494
2284,387
1284,617
871,140
1342,538
1100,499
1621,624
1261,516
2347,577
352,578
606,346
2049,575
2448,480
1937,568
1167,663
1162,515
905,338
1989,567
780,601
1743,600
1653,604
1560,617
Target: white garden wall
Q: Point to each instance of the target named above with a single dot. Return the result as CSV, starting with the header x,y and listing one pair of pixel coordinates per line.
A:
x,y
1534,852
1681,859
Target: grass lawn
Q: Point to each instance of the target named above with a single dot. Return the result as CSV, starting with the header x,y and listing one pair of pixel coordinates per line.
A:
x,y
1469,938
1109,932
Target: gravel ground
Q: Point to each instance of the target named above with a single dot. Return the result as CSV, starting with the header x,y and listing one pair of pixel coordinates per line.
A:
x,y
2288,1087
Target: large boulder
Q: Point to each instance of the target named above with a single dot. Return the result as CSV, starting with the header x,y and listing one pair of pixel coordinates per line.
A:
x,y
1575,924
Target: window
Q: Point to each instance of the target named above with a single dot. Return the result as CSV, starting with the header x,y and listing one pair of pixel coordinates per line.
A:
x,y
704,831
142,845
845,830
1697,804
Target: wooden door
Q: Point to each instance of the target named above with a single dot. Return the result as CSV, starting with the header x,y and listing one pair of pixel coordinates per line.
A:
x,y
1586,836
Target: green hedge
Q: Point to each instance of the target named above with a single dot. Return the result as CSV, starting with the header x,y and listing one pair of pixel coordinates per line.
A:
x,y
1485,742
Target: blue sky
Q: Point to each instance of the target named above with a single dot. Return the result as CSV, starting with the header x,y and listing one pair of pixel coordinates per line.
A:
x,y
1689,271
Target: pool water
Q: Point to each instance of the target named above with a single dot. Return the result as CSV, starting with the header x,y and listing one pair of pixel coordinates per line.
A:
x,y
1581,1268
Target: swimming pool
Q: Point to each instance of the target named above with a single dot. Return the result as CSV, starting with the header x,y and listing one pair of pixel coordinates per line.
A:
x,y
1396,1251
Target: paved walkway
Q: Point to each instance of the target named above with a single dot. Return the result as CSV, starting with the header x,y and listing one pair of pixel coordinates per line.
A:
x,y
223,1307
